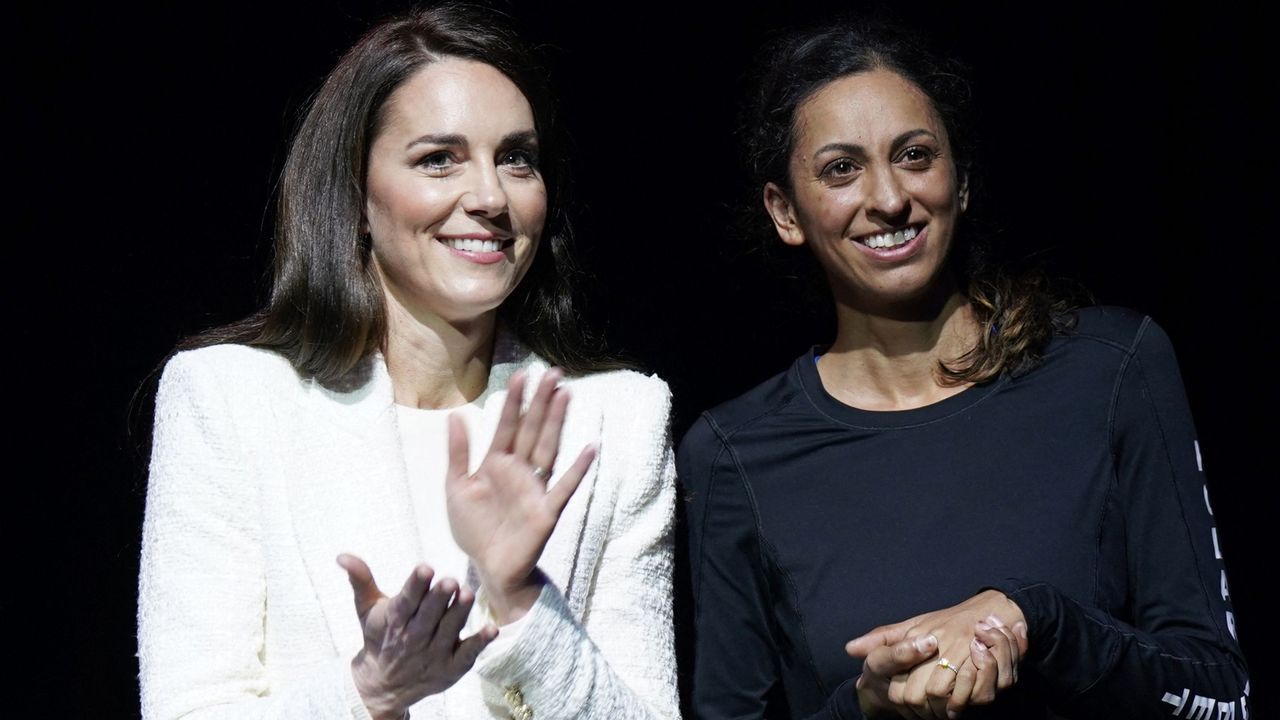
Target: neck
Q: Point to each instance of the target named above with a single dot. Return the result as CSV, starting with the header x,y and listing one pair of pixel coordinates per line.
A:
x,y
888,360
437,363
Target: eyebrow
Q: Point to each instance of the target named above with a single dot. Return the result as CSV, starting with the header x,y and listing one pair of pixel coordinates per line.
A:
x,y
438,139
519,137
854,149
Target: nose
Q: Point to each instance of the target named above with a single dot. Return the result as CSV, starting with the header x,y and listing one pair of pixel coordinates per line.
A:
x,y
885,195
485,195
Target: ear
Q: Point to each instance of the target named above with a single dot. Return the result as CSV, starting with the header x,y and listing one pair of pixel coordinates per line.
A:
x,y
783,213
964,191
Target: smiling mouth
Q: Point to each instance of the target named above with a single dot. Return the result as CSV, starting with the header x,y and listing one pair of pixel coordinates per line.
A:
x,y
476,244
889,239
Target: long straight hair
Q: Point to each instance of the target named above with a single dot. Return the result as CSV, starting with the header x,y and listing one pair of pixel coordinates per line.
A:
x,y
326,311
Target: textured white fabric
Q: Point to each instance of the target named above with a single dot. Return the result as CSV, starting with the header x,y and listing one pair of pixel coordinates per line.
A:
x,y
424,435
260,479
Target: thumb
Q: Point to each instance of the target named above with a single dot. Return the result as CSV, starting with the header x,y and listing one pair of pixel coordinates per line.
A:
x,y
362,584
901,657
862,645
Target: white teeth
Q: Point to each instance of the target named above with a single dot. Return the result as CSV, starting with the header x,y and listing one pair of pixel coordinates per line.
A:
x,y
890,239
474,245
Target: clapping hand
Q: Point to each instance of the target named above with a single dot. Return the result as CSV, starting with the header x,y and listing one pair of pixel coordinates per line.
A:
x,y
411,646
503,514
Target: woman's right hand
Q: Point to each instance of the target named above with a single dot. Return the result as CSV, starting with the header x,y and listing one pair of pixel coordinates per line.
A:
x,y
411,645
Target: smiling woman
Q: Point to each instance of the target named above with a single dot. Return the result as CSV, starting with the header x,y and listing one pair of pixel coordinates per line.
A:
x,y
395,408
975,496
455,201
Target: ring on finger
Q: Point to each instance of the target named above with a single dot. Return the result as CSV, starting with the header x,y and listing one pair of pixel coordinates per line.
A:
x,y
541,473
945,663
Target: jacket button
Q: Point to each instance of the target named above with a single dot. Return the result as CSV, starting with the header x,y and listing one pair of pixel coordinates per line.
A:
x,y
515,699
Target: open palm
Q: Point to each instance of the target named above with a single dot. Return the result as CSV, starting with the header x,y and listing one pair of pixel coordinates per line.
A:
x,y
503,514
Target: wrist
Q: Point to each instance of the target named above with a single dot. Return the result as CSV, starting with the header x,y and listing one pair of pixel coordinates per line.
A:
x,y
508,602
381,704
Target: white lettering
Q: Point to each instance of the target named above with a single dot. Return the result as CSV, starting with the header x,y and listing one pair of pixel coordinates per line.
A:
x,y
1231,627
1225,593
1226,711
1217,551
1176,701
1244,704
1199,463
1202,708
1207,506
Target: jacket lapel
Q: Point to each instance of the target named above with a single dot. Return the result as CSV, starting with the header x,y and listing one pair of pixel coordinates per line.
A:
x,y
348,492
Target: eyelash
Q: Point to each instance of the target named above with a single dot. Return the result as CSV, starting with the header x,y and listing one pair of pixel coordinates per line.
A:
x,y
520,160
929,155
432,162
829,171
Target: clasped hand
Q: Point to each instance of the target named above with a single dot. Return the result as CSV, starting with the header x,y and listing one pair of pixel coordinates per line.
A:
x,y
982,640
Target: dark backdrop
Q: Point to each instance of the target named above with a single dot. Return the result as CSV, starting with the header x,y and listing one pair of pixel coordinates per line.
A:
x,y
1122,148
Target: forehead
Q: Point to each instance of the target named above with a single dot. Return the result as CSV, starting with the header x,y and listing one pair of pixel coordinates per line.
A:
x,y
865,109
457,96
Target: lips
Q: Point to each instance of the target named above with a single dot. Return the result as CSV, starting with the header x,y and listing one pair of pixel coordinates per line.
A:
x,y
889,239
483,249
893,246
474,244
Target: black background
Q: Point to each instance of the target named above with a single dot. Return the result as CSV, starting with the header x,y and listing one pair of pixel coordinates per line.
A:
x,y
1122,146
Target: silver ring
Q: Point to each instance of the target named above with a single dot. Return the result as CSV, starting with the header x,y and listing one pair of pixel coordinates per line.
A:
x,y
541,473
943,662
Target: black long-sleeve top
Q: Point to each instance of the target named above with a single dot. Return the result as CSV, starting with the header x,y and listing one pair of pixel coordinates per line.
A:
x,y
1076,489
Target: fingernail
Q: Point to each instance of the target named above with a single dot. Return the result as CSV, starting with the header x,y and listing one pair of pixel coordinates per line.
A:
x,y
925,644
995,621
1020,629
952,715
979,654
984,627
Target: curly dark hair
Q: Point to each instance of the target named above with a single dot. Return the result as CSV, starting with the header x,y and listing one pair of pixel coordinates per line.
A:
x,y
1018,313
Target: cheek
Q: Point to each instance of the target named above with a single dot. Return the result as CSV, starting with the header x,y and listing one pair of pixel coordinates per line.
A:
x,y
392,205
529,205
939,193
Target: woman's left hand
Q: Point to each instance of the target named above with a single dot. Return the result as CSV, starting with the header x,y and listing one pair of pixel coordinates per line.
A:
x,y
983,638
503,514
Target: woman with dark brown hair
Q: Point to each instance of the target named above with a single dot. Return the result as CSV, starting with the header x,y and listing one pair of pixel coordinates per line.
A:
x,y
400,406
1019,480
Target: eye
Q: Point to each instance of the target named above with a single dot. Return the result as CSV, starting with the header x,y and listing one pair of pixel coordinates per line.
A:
x,y
918,156
437,163
520,161
840,168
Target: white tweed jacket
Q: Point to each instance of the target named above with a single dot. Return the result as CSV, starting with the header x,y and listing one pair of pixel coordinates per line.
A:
x,y
259,479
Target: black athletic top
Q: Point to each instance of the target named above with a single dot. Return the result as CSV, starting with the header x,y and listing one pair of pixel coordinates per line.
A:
x,y
1076,489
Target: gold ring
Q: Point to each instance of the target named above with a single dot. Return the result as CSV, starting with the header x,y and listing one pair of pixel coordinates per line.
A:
x,y
943,662
541,473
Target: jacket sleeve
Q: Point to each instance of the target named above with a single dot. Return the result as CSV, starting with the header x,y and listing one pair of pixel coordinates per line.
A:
x,y
1174,654
618,661
201,588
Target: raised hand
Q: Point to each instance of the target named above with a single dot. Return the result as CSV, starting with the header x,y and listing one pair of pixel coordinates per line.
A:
x,y
503,514
982,641
411,646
